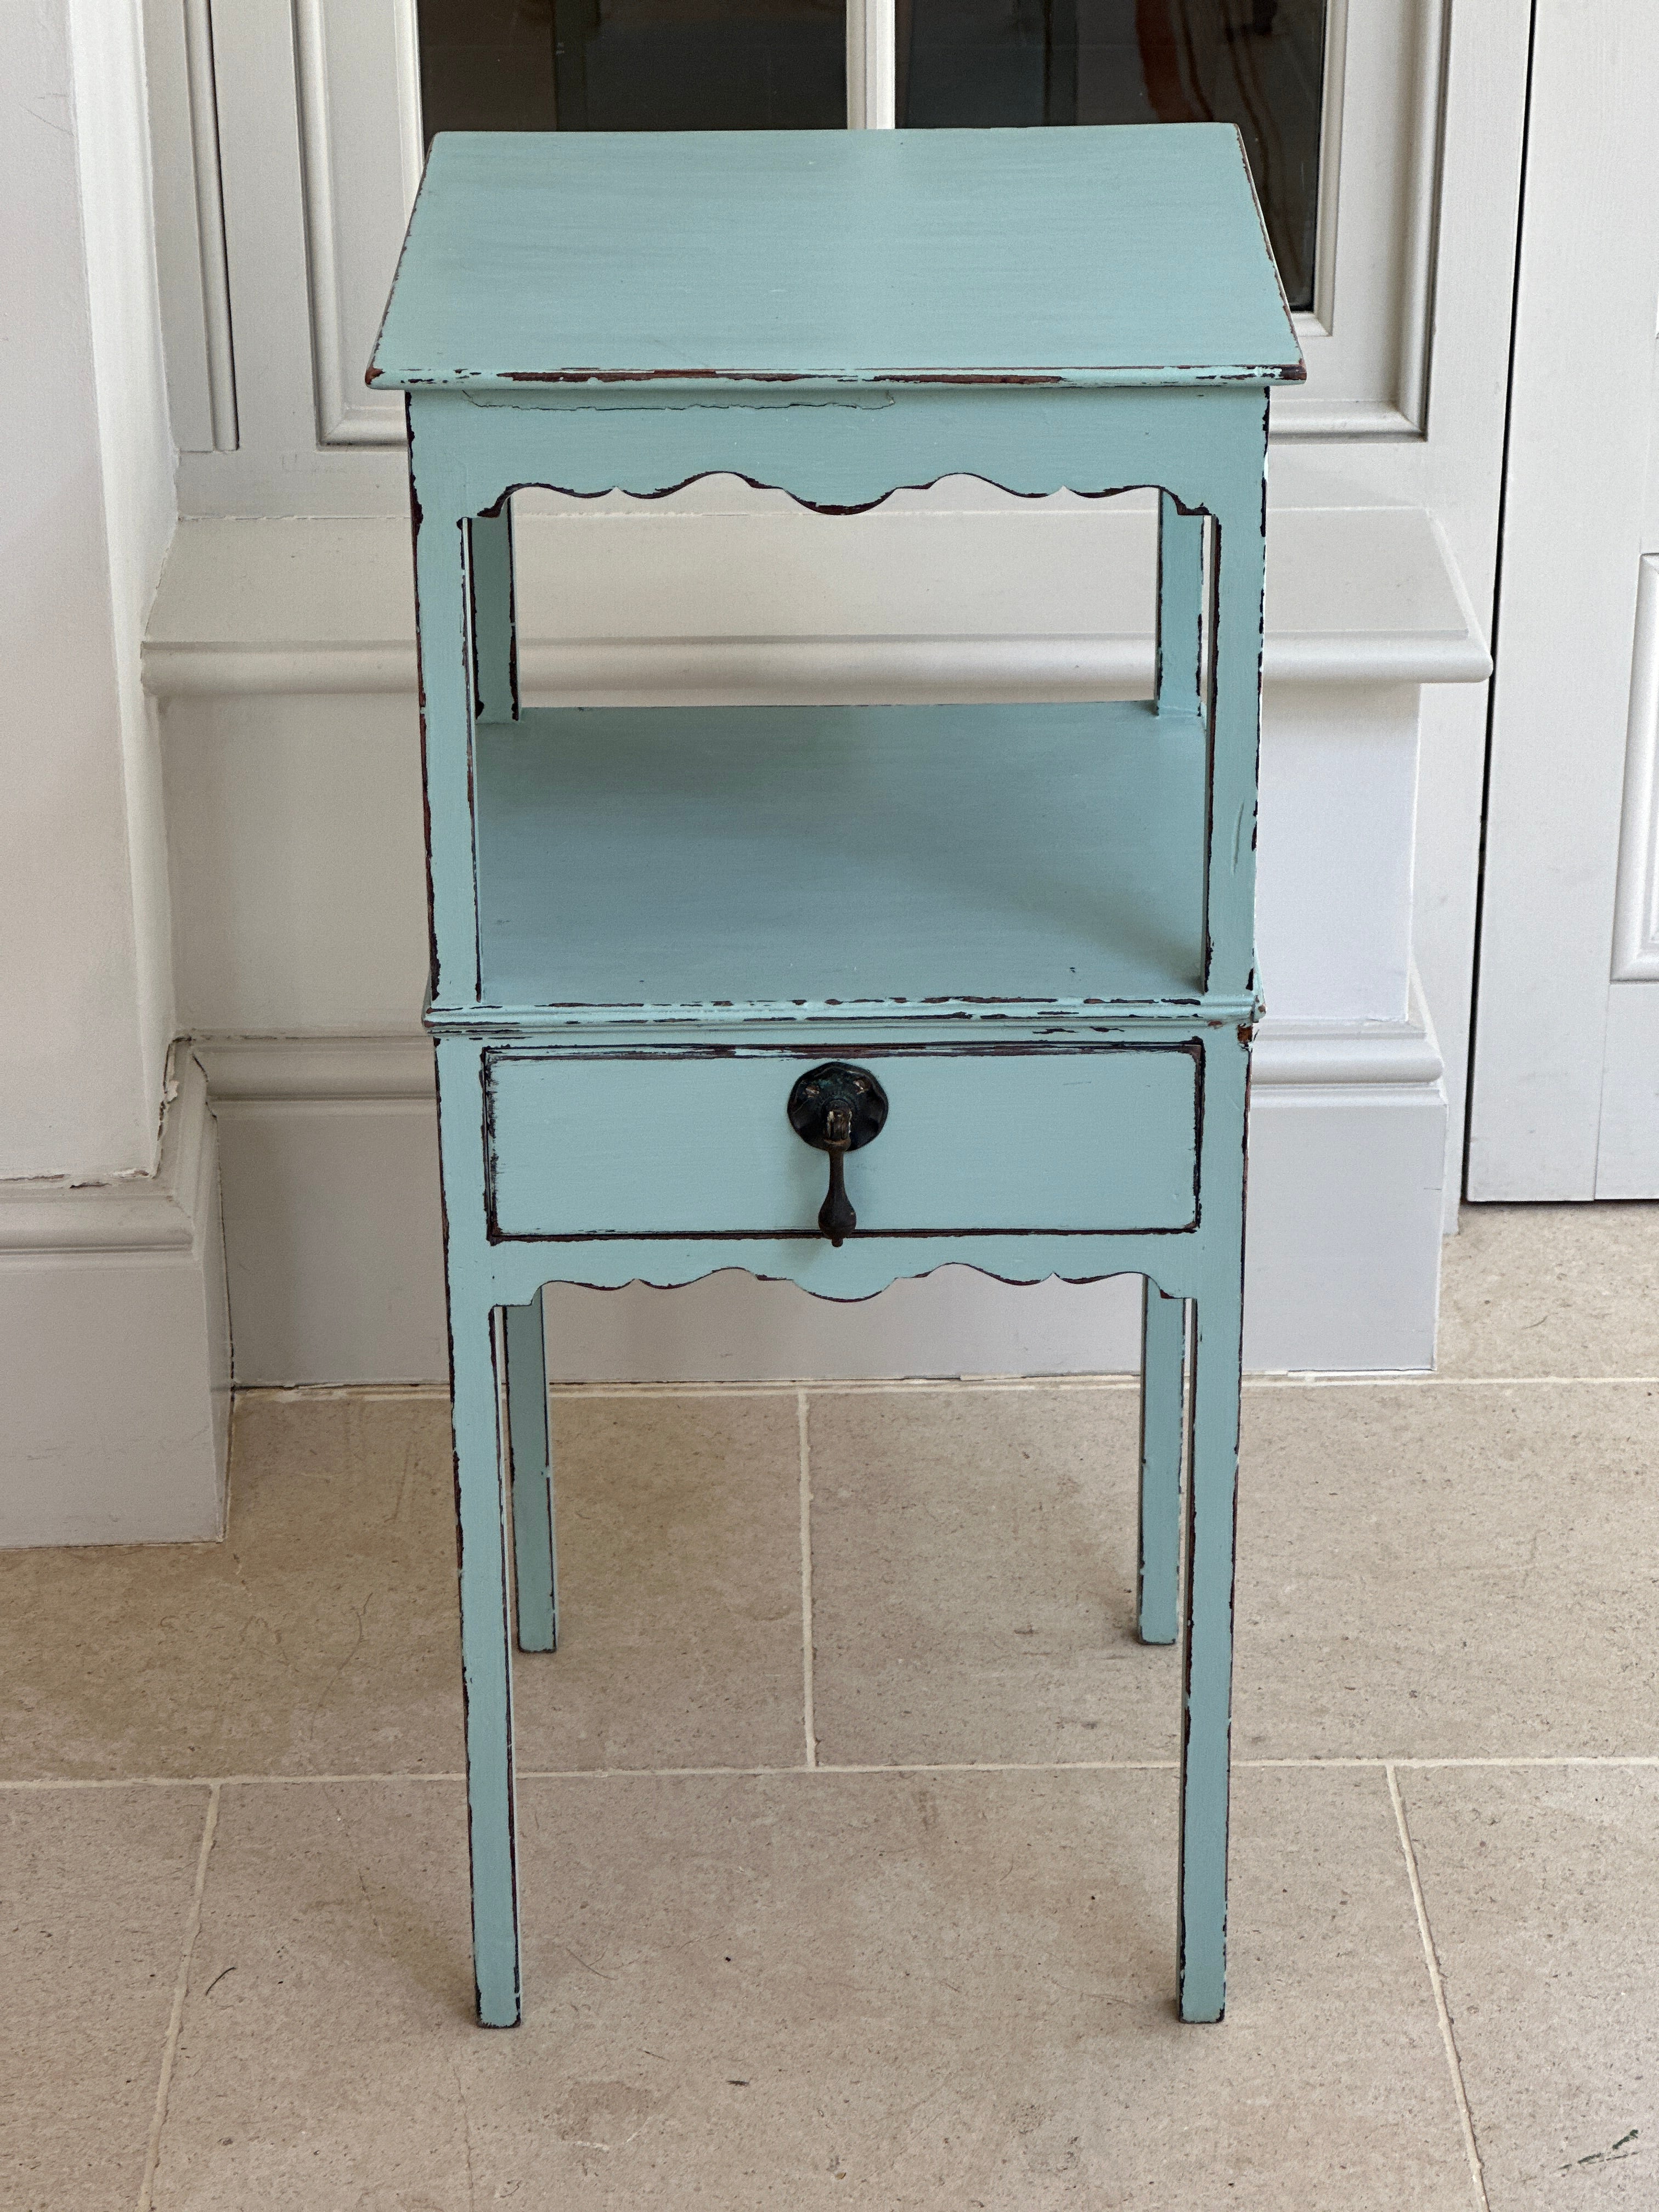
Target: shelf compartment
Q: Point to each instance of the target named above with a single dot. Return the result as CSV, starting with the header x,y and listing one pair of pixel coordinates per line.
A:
x,y
850,855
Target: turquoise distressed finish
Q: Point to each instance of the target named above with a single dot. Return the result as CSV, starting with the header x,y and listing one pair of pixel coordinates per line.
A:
x,y
582,1145
1163,1422
1128,257
535,1550
1035,923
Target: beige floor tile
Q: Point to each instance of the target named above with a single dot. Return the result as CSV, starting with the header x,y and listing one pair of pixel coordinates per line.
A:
x,y
1552,1289
811,1991
1540,1885
680,1581
95,1891
973,1579
1429,1572
321,1637
1424,1571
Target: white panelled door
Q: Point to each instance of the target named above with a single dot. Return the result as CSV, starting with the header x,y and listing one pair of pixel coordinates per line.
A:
x,y
1565,1099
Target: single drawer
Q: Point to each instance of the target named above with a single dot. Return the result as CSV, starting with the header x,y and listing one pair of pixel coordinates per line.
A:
x,y
980,1141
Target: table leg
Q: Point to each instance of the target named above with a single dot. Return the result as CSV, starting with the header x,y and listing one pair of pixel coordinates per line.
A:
x,y
530,1454
1213,1475
1163,1380
486,1668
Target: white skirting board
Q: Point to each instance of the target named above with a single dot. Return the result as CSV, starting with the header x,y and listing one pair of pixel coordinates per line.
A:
x,y
115,1348
334,1239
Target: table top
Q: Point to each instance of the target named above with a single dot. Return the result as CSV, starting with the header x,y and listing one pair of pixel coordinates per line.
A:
x,y
1117,255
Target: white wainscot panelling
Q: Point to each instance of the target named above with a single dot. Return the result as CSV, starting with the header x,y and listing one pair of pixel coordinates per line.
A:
x,y
296,844
333,1230
1366,340
358,68
283,655
189,224
128,1273
1334,889
1627,1149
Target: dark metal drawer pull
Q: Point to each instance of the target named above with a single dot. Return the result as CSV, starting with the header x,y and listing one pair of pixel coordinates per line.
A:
x,y
837,1108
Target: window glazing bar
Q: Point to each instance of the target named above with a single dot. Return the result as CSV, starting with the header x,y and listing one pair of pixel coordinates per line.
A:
x,y
871,73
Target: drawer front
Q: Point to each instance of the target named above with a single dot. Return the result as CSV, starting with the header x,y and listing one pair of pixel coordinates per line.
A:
x,y
1099,1138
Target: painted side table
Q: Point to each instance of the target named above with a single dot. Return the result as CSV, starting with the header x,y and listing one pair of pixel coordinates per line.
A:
x,y
842,994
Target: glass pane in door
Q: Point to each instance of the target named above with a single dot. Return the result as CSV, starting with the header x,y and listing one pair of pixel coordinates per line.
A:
x,y
633,65
1259,63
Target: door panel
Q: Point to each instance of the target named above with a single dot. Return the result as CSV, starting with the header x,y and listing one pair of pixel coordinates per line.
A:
x,y
1550,1058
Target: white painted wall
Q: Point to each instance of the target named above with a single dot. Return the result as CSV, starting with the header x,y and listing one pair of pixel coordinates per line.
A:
x,y
112,138
115,1343
86,513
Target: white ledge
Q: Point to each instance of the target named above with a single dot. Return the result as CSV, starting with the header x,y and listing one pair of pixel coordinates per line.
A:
x,y
1384,1055
273,1069
293,1070
624,606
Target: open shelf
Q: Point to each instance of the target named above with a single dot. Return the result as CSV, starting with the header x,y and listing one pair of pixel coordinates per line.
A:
x,y
774,855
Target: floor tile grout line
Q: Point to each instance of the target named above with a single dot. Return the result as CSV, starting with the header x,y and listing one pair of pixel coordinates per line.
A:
x,y
851,1385
1430,1960
808,1714
1612,1762
181,1991
1611,1758
1430,1382
855,1386
913,1384
829,1773
220,1781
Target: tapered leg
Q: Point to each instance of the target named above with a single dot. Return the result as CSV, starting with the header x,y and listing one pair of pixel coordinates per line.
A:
x,y
486,1668
1213,1478
1162,1377
535,1552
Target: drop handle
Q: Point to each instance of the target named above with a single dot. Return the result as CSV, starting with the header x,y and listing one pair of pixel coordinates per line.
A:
x,y
837,1110
835,1215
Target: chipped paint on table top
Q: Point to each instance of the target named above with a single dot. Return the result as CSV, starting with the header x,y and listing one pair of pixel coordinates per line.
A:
x,y
1114,255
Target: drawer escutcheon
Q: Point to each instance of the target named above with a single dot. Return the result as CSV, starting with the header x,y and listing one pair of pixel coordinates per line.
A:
x,y
839,1109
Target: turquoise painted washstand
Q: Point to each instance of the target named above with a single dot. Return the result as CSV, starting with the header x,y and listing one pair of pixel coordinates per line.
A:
x,y
841,994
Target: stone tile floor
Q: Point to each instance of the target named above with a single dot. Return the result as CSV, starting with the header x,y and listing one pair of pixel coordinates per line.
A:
x,y
848,1804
